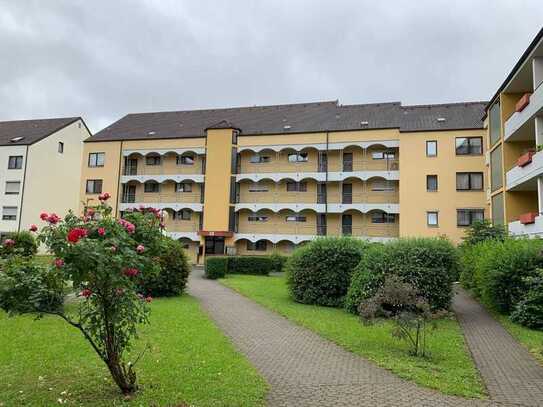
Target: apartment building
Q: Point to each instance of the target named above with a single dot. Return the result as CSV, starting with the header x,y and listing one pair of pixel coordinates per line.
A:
x,y
40,169
257,179
515,143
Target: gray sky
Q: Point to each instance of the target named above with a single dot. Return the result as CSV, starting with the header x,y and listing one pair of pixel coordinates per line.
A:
x,y
103,59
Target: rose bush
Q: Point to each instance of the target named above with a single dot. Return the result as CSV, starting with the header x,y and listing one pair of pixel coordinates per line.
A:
x,y
103,259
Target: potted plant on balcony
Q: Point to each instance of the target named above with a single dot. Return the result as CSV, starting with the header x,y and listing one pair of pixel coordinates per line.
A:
x,y
525,158
528,218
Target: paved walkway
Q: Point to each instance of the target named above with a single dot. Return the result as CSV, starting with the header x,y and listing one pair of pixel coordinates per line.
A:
x,y
510,373
302,368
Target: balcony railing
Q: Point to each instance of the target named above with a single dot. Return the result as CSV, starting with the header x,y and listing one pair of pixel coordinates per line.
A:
x,y
351,166
181,226
149,197
162,169
371,230
331,198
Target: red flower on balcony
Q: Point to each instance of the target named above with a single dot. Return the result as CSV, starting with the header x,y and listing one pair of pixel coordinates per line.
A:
x,y
528,218
525,159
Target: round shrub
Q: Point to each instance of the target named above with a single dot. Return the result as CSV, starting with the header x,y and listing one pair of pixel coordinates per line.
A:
x,y
429,264
279,262
174,269
24,244
529,311
501,273
320,271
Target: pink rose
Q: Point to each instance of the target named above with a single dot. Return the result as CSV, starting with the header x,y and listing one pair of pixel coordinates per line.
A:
x,y
59,263
148,299
90,211
101,231
130,228
33,228
104,196
9,243
85,293
44,215
131,272
113,249
53,219
140,248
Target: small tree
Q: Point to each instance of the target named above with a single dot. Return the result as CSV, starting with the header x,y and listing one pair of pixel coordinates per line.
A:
x,y
483,230
100,256
410,313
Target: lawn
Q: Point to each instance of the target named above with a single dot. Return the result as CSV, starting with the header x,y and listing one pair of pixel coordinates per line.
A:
x,y
450,368
190,361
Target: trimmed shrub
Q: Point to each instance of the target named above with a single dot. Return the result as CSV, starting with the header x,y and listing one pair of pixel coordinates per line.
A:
x,y
471,260
216,267
529,311
500,274
429,264
320,271
482,231
172,277
257,265
24,244
279,262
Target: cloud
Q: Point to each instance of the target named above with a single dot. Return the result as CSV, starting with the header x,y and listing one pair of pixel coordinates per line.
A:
x,y
103,59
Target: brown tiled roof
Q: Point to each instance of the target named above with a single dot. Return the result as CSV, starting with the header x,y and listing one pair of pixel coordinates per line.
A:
x,y
31,131
295,118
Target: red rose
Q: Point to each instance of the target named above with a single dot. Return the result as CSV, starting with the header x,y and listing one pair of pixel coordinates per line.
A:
x,y
104,196
53,219
85,293
75,234
33,228
59,263
131,272
140,248
101,231
44,215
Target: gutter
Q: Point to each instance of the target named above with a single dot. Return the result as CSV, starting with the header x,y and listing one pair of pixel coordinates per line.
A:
x,y
23,191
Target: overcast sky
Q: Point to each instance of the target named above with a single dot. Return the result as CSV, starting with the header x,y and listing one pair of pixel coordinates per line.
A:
x,y
103,59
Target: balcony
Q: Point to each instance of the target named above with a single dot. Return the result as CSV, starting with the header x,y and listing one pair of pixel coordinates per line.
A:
x,y
179,229
169,200
136,169
530,225
528,168
520,126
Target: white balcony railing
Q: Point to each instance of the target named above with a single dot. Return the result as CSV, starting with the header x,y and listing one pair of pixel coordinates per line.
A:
x,y
519,175
529,230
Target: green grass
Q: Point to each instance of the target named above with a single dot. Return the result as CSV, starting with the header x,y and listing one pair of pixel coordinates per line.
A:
x,y
530,338
190,361
449,369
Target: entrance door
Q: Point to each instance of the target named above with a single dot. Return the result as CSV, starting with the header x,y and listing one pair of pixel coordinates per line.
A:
x,y
214,245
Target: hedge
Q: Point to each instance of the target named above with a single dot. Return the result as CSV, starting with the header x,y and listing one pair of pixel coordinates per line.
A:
x,y
429,264
219,266
216,267
499,272
320,271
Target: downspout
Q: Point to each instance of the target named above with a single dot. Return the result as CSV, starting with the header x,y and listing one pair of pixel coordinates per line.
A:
x,y
23,191
119,178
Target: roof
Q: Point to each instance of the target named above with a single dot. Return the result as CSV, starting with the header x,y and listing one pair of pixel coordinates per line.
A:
x,y
519,63
25,132
295,118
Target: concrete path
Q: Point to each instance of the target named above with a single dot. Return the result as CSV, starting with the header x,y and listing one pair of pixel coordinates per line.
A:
x,y
510,373
302,368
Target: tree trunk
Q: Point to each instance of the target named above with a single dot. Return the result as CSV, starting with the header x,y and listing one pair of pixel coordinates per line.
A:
x,y
123,377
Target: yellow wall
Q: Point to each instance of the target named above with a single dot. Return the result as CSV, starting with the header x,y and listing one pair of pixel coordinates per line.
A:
x,y
415,201
217,179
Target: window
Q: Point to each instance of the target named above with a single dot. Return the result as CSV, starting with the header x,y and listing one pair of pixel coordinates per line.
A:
x,y
258,187
15,162
431,183
151,186
259,159
431,148
297,186
183,214
94,186
152,160
432,219
96,159
494,123
469,145
497,209
259,246
183,187
496,175
466,217
382,185
183,160
298,157
13,187
9,213
469,181
257,218
382,217
60,147
295,218
382,155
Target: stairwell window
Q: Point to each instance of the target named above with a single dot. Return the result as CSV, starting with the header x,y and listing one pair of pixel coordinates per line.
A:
x,y
298,157
432,219
94,186
466,217
431,148
469,181
13,187
9,213
15,162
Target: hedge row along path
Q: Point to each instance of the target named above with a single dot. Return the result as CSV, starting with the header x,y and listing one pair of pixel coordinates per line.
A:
x,y
304,369
510,373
